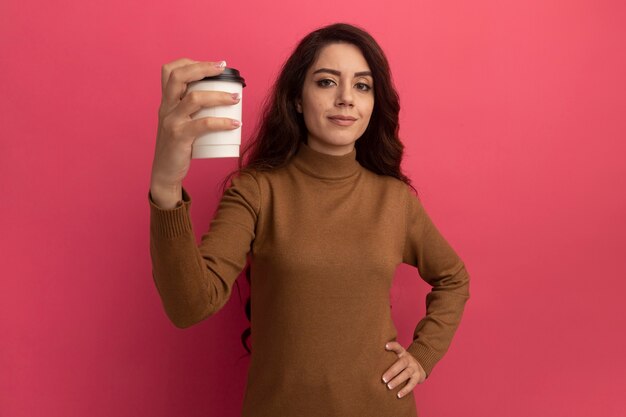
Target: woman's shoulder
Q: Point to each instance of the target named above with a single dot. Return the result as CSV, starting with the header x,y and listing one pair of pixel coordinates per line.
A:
x,y
265,179
260,175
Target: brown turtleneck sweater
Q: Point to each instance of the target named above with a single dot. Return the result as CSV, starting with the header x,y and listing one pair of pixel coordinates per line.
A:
x,y
325,236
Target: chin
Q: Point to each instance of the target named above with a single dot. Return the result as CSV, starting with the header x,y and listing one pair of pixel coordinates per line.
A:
x,y
341,142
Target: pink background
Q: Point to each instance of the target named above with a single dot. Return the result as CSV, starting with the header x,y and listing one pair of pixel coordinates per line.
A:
x,y
513,116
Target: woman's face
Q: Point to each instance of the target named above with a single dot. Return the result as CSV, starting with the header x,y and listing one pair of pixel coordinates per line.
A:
x,y
339,83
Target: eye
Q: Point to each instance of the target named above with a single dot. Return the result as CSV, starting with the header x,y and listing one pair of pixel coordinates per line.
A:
x,y
361,86
367,87
321,82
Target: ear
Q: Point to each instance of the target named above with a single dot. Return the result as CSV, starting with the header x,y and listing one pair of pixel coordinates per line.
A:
x,y
299,105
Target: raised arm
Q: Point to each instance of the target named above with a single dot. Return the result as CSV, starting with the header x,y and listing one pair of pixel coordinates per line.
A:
x,y
192,284
195,281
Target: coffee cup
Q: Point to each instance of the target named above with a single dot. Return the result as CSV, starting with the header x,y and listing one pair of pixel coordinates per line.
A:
x,y
221,143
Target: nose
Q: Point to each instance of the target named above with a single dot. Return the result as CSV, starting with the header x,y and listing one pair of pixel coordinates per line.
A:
x,y
344,96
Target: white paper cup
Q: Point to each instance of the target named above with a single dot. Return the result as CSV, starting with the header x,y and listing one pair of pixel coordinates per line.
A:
x,y
222,143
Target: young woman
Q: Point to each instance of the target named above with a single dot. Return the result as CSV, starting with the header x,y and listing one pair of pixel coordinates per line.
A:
x,y
324,215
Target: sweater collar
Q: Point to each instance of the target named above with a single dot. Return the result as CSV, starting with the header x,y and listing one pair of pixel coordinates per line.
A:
x,y
325,166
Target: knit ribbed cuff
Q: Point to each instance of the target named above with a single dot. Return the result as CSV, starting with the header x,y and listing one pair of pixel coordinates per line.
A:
x,y
173,222
424,355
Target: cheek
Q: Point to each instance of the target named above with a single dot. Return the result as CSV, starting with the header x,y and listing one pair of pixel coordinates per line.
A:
x,y
371,105
315,111
318,107
367,111
370,110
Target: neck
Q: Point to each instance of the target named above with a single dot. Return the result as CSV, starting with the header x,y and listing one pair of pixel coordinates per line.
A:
x,y
326,166
329,149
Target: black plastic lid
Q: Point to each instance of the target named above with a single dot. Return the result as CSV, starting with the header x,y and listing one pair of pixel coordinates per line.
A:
x,y
228,74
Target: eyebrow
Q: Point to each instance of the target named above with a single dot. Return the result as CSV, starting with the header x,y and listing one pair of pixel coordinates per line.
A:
x,y
335,72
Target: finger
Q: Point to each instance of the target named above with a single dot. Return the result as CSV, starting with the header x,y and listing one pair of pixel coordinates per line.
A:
x,y
180,76
197,127
407,388
166,69
397,367
197,99
394,346
400,378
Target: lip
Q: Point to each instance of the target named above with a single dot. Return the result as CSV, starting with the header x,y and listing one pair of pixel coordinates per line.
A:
x,y
342,117
342,120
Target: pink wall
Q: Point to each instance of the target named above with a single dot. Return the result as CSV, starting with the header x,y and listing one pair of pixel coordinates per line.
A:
x,y
513,120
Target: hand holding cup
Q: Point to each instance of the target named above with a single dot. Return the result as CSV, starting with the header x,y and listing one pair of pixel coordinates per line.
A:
x,y
177,129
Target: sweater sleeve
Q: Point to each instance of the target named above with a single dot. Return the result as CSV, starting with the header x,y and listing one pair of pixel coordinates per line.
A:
x,y
440,266
195,281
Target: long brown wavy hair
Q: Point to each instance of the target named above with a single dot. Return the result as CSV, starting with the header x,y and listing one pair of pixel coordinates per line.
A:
x,y
282,128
